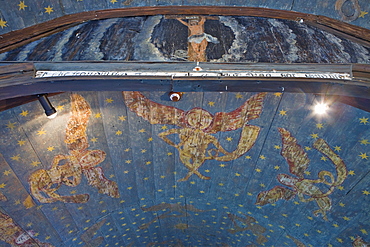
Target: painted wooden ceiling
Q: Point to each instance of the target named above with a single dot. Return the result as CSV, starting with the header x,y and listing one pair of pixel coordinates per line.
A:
x,y
133,168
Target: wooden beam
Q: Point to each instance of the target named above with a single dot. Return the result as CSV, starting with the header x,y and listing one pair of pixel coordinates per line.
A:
x,y
21,37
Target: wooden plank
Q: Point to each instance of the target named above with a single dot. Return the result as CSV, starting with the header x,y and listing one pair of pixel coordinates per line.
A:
x,y
10,40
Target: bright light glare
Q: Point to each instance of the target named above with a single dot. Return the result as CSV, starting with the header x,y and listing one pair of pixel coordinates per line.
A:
x,y
321,108
53,115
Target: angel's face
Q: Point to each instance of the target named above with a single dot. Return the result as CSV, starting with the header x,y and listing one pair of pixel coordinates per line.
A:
x,y
198,118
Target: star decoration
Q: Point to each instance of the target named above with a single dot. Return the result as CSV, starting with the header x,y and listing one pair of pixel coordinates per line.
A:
x,y
2,186
128,161
17,202
11,125
41,132
94,139
16,157
60,108
150,139
363,231
346,218
148,163
222,165
211,103
22,6
118,132
142,130
2,23
24,113
307,172
237,174
337,148
122,118
258,170
362,14
126,172
113,1
143,150
229,139
314,136
277,147
35,163
282,113
21,142
7,172
323,158
365,192
248,157
342,204
351,173
109,100
278,94
49,10
127,149
364,120
335,225
340,188
51,148
262,157
169,154
363,155
364,142
238,96
262,185
164,127
319,126
276,167
307,148
97,115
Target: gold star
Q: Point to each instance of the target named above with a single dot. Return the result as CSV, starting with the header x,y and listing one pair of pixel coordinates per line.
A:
x,y
340,188
319,126
298,225
11,125
339,240
192,182
94,139
211,103
277,147
278,94
238,96
364,120
2,186
363,231
47,237
122,118
342,204
346,218
97,115
164,127
285,215
49,10
17,202
41,132
276,167
365,192
335,225
262,157
323,158
202,192
113,1
222,165
282,113
258,170
143,150
29,224
307,148
207,170
21,142
16,157
60,108
306,234
24,113
363,156
309,217
35,163
363,13
128,161
125,172
319,231
51,148
314,136
262,185
221,184
7,172
351,173
142,131
127,149
150,139
237,174
73,192
148,163
2,23
169,153
118,132
337,148
296,203
364,141
248,157
307,172
22,6
229,139
109,100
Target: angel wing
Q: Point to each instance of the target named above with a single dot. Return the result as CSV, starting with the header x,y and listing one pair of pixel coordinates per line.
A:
x,y
274,194
293,153
153,112
76,137
226,121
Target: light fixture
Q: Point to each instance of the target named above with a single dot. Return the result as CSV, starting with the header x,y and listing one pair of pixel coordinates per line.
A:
x,y
175,96
49,109
321,108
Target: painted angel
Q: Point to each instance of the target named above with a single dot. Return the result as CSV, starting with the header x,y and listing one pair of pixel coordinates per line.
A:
x,y
196,127
304,188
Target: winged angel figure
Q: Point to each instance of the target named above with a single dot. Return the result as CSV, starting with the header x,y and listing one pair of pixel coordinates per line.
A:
x,y
305,188
196,127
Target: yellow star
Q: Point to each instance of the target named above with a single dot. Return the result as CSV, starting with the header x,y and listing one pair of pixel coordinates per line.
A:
x,y
122,118
47,237
277,147
363,231
276,167
11,125
41,132
314,136
342,204
306,234
307,148
128,161
7,172
238,96
150,139
143,150
16,157
364,141
24,113
365,192
97,115
2,23
221,184
113,1
94,139
298,225
339,240
363,156
340,188
346,218
363,13
278,94
202,192
262,157
110,100
319,231
222,165
118,132
319,126
164,127
29,224
229,139
192,182
22,6
142,131
169,154
262,185
211,103
21,142
337,148
248,157
60,108
307,172
237,174
49,10
2,186
335,225
364,120
249,194
51,148
207,170
282,113
127,149
351,173
126,172
17,202
148,163
258,170
323,158
35,163
73,192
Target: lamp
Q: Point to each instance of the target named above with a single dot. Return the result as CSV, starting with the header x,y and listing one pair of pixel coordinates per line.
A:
x,y
49,109
175,96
